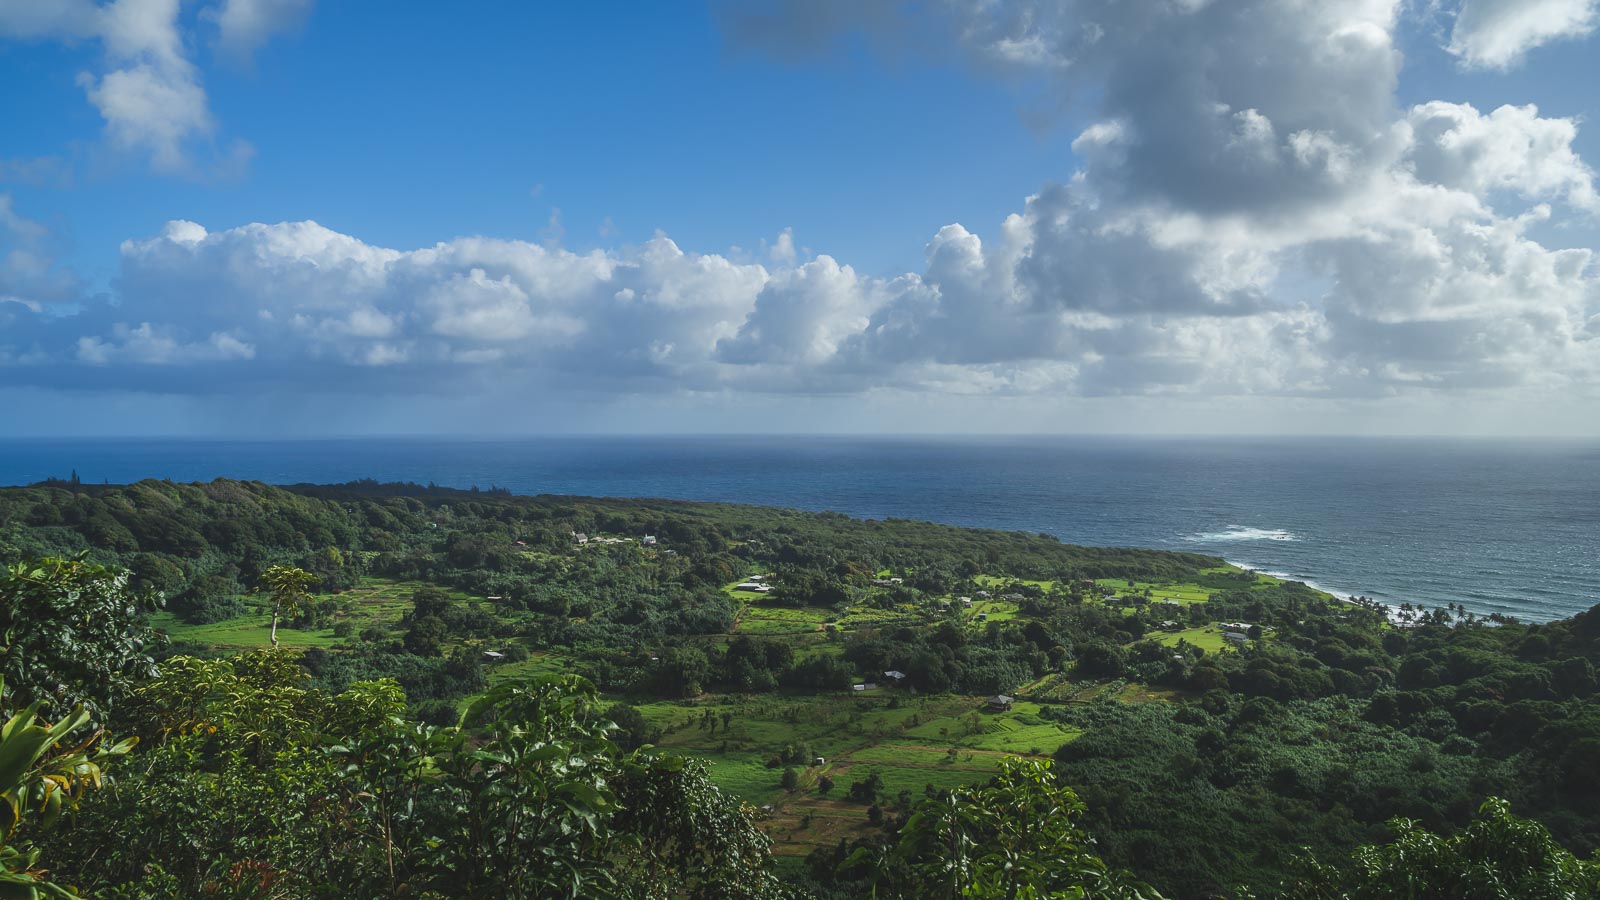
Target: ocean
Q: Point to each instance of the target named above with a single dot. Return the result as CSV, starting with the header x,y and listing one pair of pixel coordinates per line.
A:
x,y
1497,526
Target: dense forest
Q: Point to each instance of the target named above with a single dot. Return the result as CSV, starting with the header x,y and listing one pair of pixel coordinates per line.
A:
x,y
473,693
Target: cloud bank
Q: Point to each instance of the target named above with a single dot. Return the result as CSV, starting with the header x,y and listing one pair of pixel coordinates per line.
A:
x,y
1250,214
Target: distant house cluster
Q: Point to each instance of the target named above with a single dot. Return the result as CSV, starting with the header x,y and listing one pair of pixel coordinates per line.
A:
x,y
581,539
888,582
1237,633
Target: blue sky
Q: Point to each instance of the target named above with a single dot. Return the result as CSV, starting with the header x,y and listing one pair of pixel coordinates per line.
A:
x,y
1017,216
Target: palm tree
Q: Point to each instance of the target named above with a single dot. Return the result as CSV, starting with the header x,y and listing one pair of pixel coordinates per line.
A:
x,y
286,587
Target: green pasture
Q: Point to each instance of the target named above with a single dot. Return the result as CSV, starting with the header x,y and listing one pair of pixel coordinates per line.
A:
x,y
375,601
756,618
990,582
242,633
905,740
1206,637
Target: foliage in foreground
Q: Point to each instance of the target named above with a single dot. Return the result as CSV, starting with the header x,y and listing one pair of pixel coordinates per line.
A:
x,y
72,634
40,778
1016,836
255,785
1498,857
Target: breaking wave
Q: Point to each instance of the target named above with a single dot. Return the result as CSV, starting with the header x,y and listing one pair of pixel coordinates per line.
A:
x,y
1242,533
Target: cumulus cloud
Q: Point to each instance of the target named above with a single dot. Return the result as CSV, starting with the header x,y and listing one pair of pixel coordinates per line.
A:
x,y
243,26
1497,34
150,92
1250,212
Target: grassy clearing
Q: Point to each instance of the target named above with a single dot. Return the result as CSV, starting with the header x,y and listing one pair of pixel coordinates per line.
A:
x,y
1206,637
907,741
993,610
375,601
242,633
757,618
991,582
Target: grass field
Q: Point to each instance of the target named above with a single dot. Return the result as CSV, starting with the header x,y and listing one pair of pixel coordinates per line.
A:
x,y
758,618
907,741
375,601
1206,637
243,633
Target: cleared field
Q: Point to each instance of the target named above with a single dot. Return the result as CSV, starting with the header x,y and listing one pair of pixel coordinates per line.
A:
x,y
756,618
375,601
994,581
906,741
992,610
243,633
1206,637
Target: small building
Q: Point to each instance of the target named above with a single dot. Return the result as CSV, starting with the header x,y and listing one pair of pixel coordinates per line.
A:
x,y
981,617
493,654
985,594
999,703
966,602
1011,597
750,586
494,598
819,761
1235,637
648,540
579,537
895,676
867,686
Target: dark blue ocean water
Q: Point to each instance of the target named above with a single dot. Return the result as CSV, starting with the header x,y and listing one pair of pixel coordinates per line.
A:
x,y
1498,526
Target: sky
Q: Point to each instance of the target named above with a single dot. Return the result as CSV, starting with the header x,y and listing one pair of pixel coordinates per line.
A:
x,y
290,218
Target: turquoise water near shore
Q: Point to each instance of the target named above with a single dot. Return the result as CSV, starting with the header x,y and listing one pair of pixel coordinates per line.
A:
x,y
1506,527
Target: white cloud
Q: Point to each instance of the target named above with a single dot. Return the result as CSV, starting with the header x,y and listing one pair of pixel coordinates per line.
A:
x,y
151,108
146,344
244,25
1497,34
1253,215
150,92
1511,148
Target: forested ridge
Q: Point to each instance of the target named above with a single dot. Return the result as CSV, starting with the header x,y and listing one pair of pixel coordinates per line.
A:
x,y
1190,729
